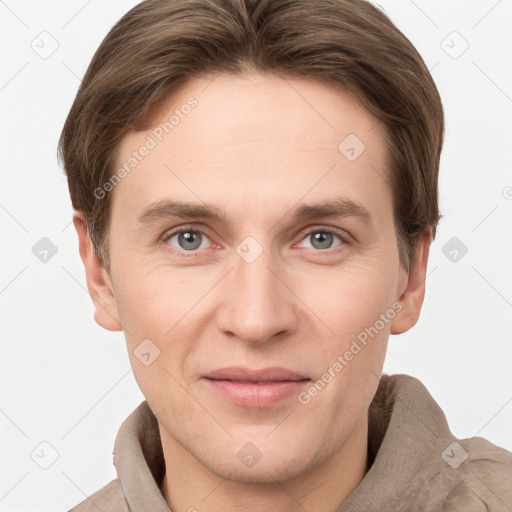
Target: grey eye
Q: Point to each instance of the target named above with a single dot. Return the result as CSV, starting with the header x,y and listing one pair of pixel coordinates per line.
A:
x,y
188,240
322,239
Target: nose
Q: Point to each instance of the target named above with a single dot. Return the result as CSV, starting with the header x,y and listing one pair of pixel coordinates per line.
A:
x,y
259,306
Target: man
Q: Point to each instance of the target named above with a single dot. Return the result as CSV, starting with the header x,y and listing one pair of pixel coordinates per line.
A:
x,y
255,186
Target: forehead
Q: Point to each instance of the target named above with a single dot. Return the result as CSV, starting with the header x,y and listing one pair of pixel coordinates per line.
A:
x,y
252,141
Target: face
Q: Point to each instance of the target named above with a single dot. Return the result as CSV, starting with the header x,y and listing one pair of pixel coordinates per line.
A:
x,y
297,264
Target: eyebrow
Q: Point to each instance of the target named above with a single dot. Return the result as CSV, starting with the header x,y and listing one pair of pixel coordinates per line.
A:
x,y
164,209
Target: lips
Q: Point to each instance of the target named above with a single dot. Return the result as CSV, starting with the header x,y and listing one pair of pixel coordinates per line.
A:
x,y
255,388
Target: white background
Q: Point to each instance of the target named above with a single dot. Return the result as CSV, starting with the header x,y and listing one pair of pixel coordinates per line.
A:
x,y
66,381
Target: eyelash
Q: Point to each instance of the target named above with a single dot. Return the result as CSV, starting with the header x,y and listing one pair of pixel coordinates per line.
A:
x,y
191,254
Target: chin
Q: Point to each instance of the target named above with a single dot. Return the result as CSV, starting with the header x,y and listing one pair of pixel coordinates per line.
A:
x,y
269,469
269,473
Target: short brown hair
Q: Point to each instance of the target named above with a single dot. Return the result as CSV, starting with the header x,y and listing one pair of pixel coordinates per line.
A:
x,y
159,45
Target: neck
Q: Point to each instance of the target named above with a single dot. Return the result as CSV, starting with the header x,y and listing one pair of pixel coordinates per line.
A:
x,y
188,486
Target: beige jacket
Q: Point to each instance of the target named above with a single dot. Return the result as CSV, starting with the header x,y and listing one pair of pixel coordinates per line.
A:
x,y
417,464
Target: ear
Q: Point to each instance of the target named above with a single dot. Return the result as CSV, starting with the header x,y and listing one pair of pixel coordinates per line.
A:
x,y
412,297
98,281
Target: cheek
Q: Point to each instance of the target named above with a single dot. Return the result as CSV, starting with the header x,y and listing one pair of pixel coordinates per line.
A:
x,y
357,310
349,299
154,314
151,305
158,311
352,362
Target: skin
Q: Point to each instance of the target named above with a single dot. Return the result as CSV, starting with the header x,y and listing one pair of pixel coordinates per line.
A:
x,y
256,146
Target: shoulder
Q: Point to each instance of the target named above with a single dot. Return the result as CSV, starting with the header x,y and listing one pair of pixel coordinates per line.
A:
x,y
487,470
111,498
474,475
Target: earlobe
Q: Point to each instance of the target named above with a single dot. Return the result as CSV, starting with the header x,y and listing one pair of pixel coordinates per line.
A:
x,y
98,281
412,297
